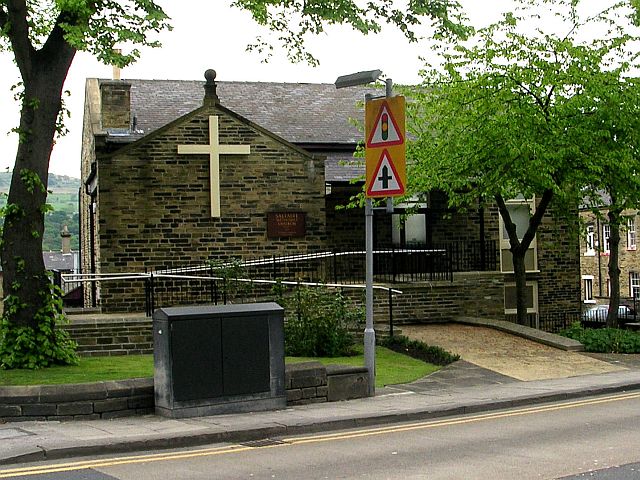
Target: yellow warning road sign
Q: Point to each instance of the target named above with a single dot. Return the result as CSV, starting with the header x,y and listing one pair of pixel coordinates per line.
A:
x,y
386,181
385,147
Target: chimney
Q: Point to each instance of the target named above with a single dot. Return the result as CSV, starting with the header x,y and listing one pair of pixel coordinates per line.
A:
x,y
65,237
115,96
116,69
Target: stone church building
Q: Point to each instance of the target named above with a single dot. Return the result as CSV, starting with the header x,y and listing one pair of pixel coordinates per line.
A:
x,y
257,169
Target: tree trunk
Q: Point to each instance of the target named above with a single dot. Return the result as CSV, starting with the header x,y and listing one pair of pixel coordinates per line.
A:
x,y
615,219
25,281
519,247
520,273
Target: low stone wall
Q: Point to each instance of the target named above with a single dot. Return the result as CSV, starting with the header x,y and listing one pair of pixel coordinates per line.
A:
x,y
306,383
88,401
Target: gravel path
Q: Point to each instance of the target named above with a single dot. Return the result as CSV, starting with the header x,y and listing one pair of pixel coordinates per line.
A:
x,y
507,354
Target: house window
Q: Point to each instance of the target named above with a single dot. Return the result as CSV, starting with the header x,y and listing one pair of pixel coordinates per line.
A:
x,y
410,230
510,297
520,211
587,287
631,233
606,235
634,284
591,240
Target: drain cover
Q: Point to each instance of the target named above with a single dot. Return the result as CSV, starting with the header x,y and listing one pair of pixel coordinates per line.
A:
x,y
267,442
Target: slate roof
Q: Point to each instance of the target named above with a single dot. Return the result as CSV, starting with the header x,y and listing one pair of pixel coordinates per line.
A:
x,y
315,116
301,113
600,199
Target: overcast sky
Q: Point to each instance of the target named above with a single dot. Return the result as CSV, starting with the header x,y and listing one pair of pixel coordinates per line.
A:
x,y
210,34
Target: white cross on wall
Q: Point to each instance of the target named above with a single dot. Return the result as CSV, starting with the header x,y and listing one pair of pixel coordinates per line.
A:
x,y
214,149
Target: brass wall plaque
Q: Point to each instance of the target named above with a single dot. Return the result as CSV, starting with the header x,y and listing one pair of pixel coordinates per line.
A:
x,y
286,224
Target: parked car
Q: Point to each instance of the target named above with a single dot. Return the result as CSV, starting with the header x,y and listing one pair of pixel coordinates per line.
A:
x,y
598,315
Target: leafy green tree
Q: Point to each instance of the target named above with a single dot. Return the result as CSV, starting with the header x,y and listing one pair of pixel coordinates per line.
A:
x,y
614,181
43,37
511,113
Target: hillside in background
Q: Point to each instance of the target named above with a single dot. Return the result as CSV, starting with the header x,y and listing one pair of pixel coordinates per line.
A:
x,y
64,199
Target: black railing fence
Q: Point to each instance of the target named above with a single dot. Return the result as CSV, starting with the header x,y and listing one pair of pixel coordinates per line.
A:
x,y
473,256
552,322
229,281
72,291
390,265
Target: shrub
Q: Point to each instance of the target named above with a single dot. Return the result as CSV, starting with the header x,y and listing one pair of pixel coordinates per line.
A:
x,y
419,350
604,340
318,322
43,346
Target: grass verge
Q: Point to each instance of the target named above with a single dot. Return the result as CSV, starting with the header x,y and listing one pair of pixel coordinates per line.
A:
x,y
391,368
90,369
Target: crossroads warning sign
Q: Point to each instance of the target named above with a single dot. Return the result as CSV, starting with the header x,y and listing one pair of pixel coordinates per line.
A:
x,y
385,147
386,181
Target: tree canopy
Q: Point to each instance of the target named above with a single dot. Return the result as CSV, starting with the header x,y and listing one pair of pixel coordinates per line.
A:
x,y
510,113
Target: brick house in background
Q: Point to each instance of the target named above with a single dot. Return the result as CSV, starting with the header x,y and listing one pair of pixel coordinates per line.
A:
x,y
147,206
594,256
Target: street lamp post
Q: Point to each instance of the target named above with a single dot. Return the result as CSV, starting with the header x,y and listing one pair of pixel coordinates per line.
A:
x,y
364,78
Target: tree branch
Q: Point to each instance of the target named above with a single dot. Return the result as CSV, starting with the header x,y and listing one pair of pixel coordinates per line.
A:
x,y
18,34
536,219
508,223
56,45
529,92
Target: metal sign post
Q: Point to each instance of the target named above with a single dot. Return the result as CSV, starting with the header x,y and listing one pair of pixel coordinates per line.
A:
x,y
386,177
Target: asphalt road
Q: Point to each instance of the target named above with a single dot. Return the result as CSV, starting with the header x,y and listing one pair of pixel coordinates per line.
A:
x,y
591,438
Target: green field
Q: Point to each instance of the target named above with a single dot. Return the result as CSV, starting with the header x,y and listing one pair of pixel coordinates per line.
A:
x,y
63,197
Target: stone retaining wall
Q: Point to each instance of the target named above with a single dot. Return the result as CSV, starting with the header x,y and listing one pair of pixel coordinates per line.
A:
x,y
306,383
89,401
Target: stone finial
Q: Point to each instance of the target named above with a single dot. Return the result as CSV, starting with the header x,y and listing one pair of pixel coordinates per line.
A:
x,y
210,95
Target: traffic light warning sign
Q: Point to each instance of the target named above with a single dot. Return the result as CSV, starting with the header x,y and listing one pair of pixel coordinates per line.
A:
x,y
385,131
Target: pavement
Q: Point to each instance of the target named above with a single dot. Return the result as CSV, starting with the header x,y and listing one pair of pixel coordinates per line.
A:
x,y
478,382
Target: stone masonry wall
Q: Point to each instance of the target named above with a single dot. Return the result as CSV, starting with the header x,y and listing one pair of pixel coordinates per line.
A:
x,y
91,123
478,294
119,336
155,208
559,264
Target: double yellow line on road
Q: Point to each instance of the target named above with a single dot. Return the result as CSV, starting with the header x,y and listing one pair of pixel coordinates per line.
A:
x,y
288,442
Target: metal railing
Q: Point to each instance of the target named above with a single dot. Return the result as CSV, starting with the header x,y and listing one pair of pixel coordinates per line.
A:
x,y
390,266
553,322
167,288
219,282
